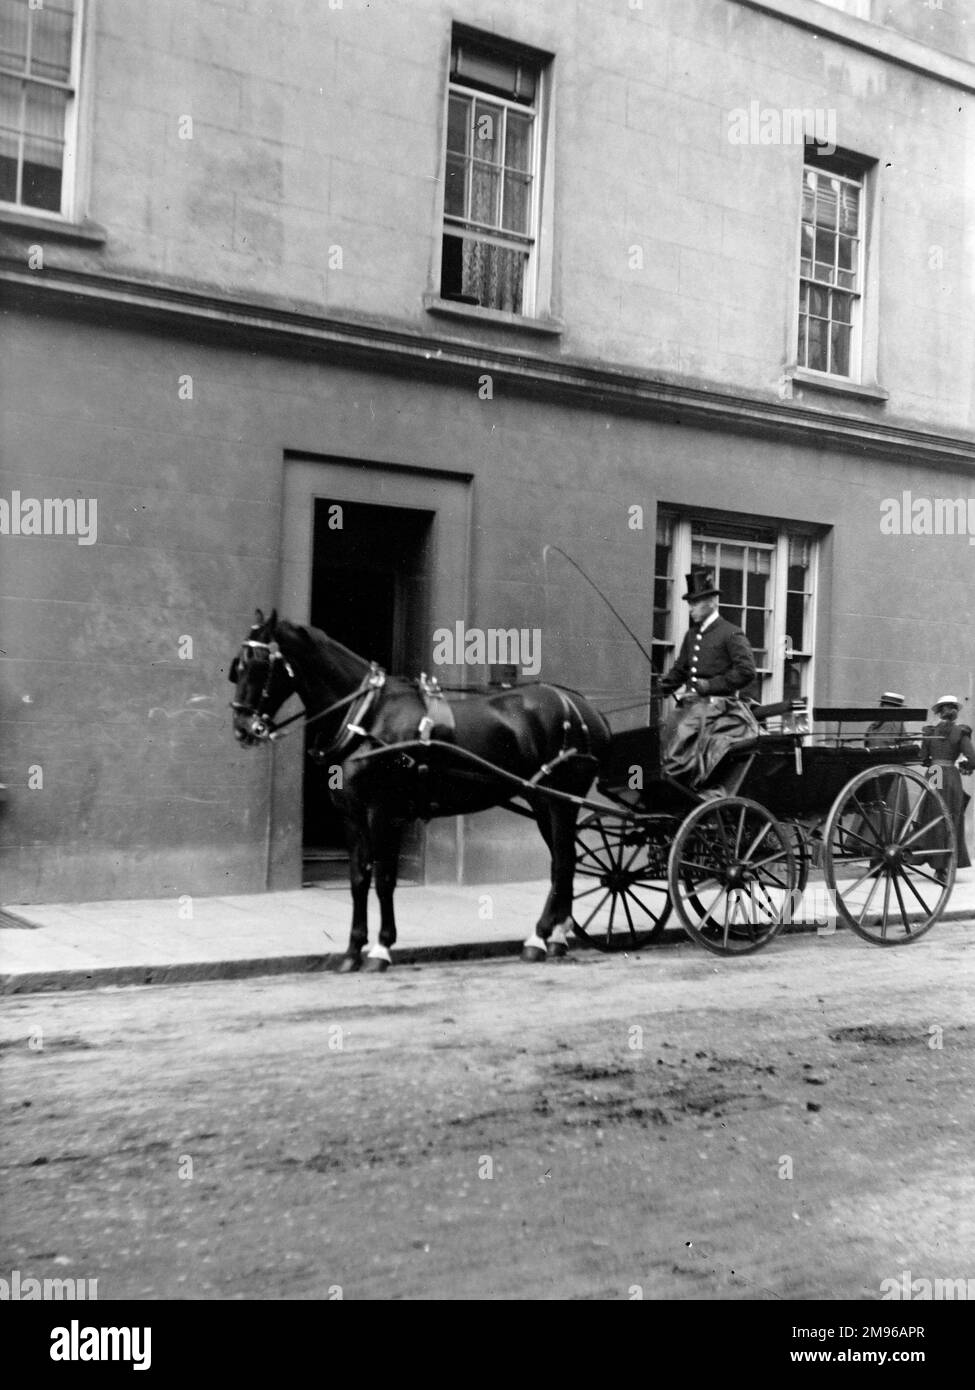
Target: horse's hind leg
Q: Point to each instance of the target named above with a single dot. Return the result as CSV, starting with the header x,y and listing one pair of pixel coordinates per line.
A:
x,y
386,839
557,824
360,876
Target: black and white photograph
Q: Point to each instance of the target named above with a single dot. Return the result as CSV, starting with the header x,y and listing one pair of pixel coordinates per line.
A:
x,y
487,663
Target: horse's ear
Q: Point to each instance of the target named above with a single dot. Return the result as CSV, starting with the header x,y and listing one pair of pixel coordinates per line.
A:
x,y
258,618
272,622
234,672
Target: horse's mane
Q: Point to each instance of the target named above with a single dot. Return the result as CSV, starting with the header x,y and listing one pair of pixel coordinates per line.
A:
x,y
317,654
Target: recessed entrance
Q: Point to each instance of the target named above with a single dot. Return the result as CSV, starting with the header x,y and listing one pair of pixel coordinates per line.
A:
x,y
370,591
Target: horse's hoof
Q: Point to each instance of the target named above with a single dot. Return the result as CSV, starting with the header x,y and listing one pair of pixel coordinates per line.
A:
x,y
556,950
532,955
375,965
349,965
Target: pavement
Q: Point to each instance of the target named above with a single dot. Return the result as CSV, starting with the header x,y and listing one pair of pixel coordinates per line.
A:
x,y
61,946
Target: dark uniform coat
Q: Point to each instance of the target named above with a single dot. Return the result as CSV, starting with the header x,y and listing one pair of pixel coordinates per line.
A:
x,y
943,744
716,662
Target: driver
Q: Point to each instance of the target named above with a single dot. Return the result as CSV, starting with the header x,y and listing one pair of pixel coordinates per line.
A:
x,y
716,657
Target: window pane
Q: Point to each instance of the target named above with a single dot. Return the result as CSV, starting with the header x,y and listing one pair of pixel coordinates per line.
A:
x,y
757,592
818,302
850,209
816,346
44,149
842,307
795,620
846,253
487,132
732,614
661,592
459,125
840,352
826,194
803,344
493,275
51,41
13,34
731,579
755,628
518,147
485,189
517,203
660,625
455,194
825,248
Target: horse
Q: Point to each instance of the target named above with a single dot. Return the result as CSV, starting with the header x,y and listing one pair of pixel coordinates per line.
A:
x,y
541,742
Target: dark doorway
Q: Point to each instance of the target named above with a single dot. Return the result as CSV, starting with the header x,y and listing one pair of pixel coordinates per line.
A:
x,y
370,572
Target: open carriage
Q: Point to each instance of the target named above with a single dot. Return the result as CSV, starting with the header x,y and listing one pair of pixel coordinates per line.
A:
x,y
783,811
861,832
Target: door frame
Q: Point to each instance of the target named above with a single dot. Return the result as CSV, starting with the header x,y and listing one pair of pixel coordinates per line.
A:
x,y
449,495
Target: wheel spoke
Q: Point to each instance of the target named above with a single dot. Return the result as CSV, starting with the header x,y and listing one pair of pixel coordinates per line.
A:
x,y
740,831
866,820
900,900
642,905
757,841
874,886
907,879
938,820
595,910
588,892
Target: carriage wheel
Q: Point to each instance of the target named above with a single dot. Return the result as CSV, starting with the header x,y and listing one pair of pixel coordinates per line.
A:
x,y
889,854
621,900
802,848
732,875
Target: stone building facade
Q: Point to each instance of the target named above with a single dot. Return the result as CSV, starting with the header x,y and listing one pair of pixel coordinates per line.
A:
x,y
652,283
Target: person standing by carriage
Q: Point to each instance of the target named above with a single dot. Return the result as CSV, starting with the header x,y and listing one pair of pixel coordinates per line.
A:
x,y
949,752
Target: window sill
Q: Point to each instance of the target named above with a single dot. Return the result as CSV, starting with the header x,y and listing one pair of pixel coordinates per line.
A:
x,y
837,385
37,224
449,308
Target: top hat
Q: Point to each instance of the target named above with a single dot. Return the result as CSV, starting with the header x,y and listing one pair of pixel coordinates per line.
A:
x,y
890,697
947,700
700,584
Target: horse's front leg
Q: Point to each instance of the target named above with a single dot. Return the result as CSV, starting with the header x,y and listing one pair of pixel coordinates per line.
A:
x,y
386,838
558,826
360,876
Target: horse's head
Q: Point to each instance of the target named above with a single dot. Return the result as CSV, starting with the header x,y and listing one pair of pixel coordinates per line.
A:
x,y
263,678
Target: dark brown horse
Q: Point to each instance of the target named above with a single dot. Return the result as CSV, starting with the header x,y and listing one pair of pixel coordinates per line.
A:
x,y
396,753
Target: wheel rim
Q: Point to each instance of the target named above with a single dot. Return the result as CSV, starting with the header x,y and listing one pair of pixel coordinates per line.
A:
x,y
888,837
621,901
732,876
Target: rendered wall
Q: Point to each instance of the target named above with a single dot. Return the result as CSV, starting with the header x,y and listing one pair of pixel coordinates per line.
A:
x,y
144,790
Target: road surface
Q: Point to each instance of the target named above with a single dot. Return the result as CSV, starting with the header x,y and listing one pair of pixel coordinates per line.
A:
x,y
671,1125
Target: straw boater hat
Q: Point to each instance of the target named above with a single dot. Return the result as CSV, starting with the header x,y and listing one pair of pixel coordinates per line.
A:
x,y
947,700
890,697
700,584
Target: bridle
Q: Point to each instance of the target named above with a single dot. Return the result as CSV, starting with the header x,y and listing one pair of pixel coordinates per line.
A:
x,y
264,728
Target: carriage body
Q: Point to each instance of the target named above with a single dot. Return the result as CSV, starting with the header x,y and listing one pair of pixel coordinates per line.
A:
x,y
780,813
